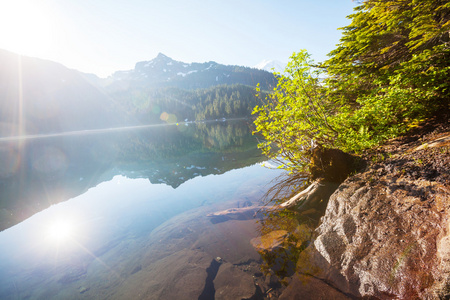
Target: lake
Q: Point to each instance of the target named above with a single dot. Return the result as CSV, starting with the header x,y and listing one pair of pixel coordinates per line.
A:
x,y
125,214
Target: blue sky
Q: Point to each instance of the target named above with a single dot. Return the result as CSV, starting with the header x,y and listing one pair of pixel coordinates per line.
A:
x,y
103,36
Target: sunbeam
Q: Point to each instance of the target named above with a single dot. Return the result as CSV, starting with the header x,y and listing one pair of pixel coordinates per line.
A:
x,y
21,110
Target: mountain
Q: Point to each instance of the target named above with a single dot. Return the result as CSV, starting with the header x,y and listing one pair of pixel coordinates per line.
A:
x,y
39,96
271,66
165,90
44,98
163,71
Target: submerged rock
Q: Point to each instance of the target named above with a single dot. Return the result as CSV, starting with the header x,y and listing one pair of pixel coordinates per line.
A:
x,y
83,289
308,287
233,283
269,242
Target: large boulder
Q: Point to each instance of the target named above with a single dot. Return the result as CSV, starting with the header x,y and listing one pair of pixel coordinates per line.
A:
x,y
386,230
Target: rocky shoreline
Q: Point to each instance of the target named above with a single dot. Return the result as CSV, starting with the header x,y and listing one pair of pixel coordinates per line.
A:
x,y
385,233
386,229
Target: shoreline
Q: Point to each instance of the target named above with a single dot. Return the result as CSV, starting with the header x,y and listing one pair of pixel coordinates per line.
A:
x,y
384,233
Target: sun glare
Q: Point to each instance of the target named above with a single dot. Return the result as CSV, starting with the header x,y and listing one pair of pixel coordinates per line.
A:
x,y
24,27
60,230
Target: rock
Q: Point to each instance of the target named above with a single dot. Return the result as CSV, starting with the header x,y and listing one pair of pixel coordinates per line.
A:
x,y
233,283
387,231
185,268
272,281
277,251
270,241
311,288
229,240
181,275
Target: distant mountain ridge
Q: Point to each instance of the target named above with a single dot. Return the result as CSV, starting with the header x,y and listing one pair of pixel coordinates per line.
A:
x,y
163,71
187,91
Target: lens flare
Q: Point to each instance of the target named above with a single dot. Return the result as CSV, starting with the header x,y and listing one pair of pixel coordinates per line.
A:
x,y
164,116
60,230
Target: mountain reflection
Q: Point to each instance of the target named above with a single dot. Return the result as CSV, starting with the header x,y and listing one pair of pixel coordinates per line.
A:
x,y
36,173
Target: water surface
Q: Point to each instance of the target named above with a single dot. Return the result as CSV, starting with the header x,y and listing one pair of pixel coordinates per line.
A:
x,y
124,215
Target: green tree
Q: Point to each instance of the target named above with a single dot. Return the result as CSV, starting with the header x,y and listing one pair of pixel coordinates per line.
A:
x,y
390,70
388,73
294,115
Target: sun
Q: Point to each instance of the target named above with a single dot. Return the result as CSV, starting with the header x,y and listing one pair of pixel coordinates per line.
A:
x,y
60,230
25,27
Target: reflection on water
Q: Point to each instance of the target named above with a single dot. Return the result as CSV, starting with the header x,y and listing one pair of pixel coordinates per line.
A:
x,y
37,173
137,225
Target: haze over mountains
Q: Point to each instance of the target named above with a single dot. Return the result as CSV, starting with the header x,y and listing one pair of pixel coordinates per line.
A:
x,y
39,96
46,97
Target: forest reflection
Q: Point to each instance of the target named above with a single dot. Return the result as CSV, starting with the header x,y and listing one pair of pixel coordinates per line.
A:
x,y
39,172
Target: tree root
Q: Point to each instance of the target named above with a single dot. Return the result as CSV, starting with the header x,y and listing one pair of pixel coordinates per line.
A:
x,y
315,196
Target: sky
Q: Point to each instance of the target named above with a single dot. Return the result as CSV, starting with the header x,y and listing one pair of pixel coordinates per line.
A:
x,y
104,36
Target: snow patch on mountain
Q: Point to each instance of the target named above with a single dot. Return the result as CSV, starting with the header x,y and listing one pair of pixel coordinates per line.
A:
x,y
162,69
271,66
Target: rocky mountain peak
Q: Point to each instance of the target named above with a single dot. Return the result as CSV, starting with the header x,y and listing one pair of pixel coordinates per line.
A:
x,y
161,56
157,62
163,71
